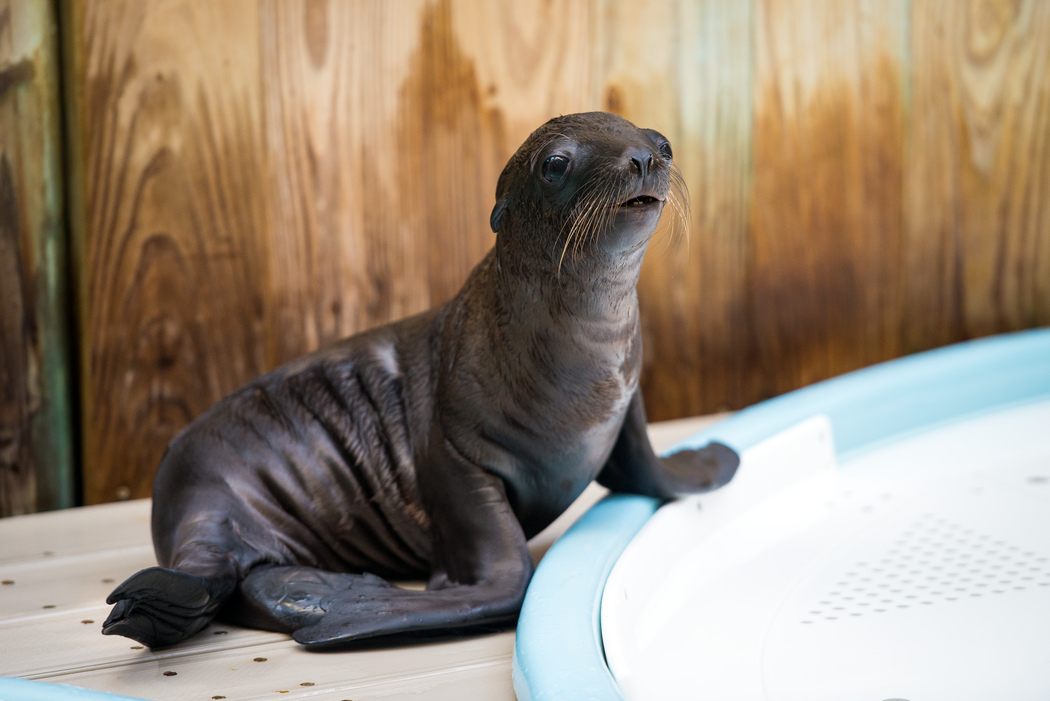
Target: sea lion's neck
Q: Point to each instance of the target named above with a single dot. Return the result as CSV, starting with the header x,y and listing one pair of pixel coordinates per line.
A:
x,y
592,287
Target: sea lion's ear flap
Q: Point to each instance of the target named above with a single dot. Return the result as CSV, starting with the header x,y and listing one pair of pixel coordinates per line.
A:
x,y
497,213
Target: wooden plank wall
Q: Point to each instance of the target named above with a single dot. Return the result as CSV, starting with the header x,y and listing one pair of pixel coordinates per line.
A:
x,y
253,179
36,468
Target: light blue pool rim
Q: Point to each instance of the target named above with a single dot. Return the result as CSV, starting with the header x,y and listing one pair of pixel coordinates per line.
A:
x,y
25,690
558,650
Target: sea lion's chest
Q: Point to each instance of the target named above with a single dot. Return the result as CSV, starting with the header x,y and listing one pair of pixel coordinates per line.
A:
x,y
553,451
535,384
545,488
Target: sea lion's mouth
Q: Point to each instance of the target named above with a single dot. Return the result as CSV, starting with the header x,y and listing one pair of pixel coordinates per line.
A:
x,y
640,201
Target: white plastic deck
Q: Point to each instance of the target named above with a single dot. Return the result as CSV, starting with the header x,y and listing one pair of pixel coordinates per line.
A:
x,y
57,568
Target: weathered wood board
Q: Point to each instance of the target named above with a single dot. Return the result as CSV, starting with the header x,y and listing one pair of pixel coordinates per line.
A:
x,y
36,459
976,228
253,179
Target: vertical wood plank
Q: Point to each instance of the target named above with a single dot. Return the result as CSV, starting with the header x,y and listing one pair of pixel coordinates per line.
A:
x,y
484,75
343,252
456,143
533,61
387,133
261,178
687,71
35,428
829,129
171,166
977,180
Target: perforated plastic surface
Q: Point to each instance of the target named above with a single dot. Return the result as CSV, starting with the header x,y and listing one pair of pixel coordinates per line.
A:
x,y
919,570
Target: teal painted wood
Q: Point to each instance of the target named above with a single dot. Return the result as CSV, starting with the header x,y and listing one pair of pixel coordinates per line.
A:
x,y
558,650
36,456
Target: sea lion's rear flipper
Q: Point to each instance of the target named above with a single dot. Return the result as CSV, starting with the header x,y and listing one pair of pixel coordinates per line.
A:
x,y
159,606
288,598
327,609
634,468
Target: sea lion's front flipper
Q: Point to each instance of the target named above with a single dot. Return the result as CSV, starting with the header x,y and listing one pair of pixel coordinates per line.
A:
x,y
634,468
159,606
481,567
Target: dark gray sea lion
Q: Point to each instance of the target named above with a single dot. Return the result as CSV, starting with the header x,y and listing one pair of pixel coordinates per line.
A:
x,y
436,446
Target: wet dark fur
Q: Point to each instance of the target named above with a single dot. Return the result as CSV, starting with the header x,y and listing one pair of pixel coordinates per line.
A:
x,y
435,446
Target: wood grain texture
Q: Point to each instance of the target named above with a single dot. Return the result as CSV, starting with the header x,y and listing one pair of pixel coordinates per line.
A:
x,y
341,252
386,142
687,71
385,151
36,470
977,180
829,128
484,76
257,178
173,245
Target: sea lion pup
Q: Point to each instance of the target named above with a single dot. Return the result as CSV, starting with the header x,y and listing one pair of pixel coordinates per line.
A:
x,y
433,447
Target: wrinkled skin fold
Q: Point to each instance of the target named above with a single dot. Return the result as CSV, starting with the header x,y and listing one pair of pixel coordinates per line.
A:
x,y
436,446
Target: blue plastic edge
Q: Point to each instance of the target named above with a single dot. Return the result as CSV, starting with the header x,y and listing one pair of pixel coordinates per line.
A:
x,y
558,652
25,690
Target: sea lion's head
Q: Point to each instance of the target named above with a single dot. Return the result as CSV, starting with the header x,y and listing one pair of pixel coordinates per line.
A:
x,y
583,180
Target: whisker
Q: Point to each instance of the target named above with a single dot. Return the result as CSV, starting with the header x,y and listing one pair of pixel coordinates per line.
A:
x,y
598,216
678,199
588,210
585,198
684,207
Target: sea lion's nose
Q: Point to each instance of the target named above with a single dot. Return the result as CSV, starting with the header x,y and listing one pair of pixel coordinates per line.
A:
x,y
641,159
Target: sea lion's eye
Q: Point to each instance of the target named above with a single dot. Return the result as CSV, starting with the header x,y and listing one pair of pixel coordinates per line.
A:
x,y
665,150
554,168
